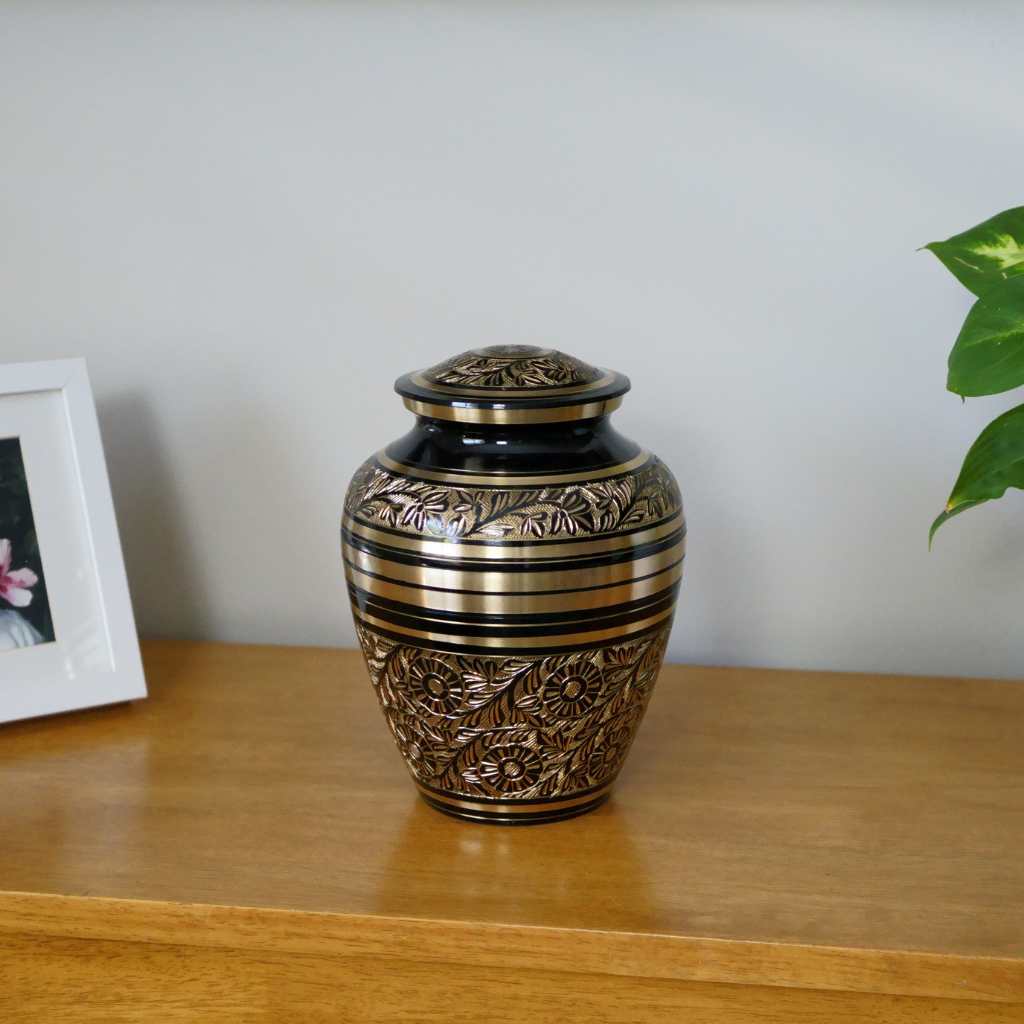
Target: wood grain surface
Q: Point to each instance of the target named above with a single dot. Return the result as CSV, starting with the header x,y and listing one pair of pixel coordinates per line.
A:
x,y
247,845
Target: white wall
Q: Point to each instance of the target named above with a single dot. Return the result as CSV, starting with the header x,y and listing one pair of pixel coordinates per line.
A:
x,y
251,217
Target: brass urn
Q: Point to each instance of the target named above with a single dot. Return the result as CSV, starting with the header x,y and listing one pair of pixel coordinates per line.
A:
x,y
513,564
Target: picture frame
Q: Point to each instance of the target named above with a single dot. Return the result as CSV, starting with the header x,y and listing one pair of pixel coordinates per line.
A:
x,y
67,632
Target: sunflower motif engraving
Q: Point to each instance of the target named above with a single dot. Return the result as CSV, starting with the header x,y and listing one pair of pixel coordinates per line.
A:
x,y
510,769
609,753
437,687
416,749
572,690
646,496
522,727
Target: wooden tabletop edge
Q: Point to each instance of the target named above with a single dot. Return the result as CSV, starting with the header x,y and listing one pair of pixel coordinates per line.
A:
x,y
648,955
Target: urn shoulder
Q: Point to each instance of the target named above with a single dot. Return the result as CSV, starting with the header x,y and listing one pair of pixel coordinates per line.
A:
x,y
512,442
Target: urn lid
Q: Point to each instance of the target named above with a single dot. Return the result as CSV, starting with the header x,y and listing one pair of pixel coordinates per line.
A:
x,y
512,384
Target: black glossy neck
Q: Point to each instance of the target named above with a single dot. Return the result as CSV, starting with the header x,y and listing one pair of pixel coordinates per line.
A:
x,y
577,445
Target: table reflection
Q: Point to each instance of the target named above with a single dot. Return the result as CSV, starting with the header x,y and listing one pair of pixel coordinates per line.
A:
x,y
579,873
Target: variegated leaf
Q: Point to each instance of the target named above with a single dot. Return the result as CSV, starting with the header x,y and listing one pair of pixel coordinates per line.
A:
x,y
986,254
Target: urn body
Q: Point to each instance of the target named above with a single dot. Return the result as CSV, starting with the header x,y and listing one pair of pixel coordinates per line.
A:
x,y
513,565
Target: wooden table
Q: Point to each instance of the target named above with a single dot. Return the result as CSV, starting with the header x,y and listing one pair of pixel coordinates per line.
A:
x,y
781,846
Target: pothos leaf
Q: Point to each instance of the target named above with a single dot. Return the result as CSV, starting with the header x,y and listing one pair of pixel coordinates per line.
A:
x,y
987,253
988,356
994,462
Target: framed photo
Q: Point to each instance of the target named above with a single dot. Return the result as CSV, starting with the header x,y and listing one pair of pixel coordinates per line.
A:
x,y
67,634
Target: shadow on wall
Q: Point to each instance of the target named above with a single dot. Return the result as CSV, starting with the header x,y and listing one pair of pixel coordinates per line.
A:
x,y
158,552
271,559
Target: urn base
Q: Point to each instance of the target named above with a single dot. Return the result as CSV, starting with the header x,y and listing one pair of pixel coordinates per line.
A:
x,y
514,812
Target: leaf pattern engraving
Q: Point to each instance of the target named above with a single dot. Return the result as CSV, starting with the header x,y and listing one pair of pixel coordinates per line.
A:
x,y
378,497
507,367
521,727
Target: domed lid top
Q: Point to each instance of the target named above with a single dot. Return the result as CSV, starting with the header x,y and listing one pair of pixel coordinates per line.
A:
x,y
512,384
512,368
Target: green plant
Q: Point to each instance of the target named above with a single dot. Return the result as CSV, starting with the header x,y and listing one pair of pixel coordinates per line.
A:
x,y
988,355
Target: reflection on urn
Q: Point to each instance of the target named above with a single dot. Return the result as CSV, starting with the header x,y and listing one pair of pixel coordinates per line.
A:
x,y
513,564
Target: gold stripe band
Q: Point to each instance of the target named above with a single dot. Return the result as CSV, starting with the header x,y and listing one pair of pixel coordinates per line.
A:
x,y
518,603
486,582
551,414
576,624
501,480
506,807
515,642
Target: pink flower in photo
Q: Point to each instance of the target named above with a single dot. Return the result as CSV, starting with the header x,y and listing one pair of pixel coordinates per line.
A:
x,y
14,585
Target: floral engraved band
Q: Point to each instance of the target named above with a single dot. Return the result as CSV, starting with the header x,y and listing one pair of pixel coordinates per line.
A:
x,y
379,497
509,736
513,586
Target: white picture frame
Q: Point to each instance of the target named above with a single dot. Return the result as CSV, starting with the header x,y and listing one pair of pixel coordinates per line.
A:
x,y
93,657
